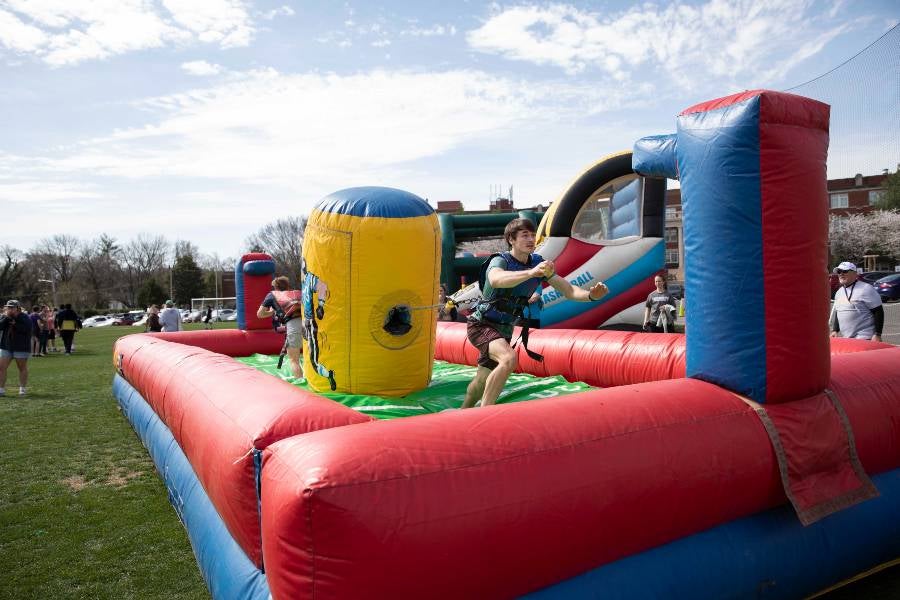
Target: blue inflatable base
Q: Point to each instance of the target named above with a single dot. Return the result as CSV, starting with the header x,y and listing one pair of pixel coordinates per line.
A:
x,y
769,555
228,572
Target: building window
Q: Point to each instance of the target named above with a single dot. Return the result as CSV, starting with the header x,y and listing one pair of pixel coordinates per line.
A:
x,y
840,200
671,213
875,196
672,258
671,235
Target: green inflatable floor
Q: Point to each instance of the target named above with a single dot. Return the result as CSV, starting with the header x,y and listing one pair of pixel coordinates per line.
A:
x,y
447,389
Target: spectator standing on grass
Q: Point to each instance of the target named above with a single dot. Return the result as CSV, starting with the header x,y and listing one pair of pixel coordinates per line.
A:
x,y
208,318
153,324
15,344
67,322
857,312
50,317
44,333
170,317
36,319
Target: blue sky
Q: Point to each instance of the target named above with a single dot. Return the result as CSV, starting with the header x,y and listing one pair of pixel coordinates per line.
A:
x,y
205,120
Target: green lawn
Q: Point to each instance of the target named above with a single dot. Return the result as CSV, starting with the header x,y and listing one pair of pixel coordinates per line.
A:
x,y
83,513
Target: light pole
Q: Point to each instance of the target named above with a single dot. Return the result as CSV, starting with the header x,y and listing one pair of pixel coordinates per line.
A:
x,y
52,283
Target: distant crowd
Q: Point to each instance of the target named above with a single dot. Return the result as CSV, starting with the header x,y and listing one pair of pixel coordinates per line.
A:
x,y
25,335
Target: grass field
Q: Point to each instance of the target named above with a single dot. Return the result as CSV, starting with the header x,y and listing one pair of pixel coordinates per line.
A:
x,y
83,513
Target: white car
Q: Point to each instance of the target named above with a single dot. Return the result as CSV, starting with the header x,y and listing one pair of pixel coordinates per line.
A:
x,y
97,321
223,314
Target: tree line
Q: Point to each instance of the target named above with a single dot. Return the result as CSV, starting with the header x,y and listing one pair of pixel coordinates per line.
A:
x,y
104,272
149,269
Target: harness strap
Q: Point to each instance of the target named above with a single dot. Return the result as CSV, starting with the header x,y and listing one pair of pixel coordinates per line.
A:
x,y
524,337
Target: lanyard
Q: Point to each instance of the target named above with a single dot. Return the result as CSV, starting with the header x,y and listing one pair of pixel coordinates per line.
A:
x,y
852,287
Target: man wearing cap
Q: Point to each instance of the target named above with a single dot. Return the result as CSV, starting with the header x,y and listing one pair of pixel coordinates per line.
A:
x,y
857,307
15,343
170,317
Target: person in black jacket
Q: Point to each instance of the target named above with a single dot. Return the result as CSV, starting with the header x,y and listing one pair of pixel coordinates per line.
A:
x,y
67,322
15,343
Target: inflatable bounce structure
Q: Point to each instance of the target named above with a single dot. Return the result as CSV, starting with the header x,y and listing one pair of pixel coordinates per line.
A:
x,y
606,226
756,459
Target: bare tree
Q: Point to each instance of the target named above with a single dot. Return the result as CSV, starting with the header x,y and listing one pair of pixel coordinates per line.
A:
x,y
60,253
186,248
283,241
99,263
143,257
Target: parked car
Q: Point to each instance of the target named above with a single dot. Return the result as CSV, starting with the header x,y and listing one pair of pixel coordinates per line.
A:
x,y
223,313
97,321
129,318
889,287
873,276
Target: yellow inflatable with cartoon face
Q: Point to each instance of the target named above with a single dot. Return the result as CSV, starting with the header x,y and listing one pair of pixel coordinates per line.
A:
x,y
370,286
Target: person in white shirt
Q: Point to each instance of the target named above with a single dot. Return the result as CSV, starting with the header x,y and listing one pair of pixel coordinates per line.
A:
x,y
170,317
858,312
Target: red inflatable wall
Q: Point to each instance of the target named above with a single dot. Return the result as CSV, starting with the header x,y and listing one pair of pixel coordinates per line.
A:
x,y
547,489
219,411
230,342
252,290
601,358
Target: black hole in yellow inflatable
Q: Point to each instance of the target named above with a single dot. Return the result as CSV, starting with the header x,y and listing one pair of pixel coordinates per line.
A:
x,y
398,320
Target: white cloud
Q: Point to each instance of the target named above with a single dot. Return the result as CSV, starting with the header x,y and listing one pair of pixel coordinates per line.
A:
x,y
222,21
721,39
381,43
49,195
19,36
266,127
201,68
65,32
284,10
434,30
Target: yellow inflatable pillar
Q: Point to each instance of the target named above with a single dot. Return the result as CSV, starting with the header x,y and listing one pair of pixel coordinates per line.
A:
x,y
371,274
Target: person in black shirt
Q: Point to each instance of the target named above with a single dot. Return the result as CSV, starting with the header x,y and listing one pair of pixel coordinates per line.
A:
x,y
68,323
15,343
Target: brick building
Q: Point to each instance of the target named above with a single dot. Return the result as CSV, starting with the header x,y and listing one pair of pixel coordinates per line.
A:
x,y
852,195
855,194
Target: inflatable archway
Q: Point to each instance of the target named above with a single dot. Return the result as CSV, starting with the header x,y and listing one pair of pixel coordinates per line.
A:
x,y
728,482
606,226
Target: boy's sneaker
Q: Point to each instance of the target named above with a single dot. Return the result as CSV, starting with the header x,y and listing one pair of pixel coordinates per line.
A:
x,y
21,391
2,391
